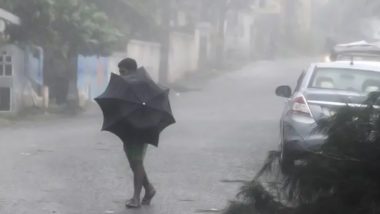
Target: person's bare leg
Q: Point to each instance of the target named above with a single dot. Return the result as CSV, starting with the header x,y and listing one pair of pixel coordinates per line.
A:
x,y
138,180
134,202
141,180
150,191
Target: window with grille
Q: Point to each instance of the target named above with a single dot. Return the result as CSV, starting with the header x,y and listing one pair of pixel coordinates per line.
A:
x,y
6,67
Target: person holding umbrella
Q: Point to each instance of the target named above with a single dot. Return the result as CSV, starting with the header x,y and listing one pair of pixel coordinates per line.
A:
x,y
136,109
135,152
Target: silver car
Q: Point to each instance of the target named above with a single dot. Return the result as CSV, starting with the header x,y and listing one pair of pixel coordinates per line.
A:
x,y
358,51
320,92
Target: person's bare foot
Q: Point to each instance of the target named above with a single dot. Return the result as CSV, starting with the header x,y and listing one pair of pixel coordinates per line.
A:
x,y
148,196
133,203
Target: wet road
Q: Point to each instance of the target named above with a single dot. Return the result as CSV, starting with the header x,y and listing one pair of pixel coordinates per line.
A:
x,y
223,133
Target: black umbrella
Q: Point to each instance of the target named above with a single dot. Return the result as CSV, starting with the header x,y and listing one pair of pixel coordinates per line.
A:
x,y
135,108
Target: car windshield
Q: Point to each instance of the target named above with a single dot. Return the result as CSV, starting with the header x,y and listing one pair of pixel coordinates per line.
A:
x,y
362,81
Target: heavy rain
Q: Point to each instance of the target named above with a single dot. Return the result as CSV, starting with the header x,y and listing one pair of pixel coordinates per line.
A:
x,y
189,106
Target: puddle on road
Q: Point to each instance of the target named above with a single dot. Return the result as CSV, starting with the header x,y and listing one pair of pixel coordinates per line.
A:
x,y
186,200
44,151
212,210
51,207
102,149
240,181
38,151
178,89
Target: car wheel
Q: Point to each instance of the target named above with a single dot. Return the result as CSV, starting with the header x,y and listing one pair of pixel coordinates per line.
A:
x,y
286,163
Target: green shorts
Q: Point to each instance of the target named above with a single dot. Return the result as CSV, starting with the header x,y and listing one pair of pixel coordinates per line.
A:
x,y
135,152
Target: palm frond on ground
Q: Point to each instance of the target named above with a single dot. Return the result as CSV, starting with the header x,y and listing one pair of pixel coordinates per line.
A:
x,y
342,177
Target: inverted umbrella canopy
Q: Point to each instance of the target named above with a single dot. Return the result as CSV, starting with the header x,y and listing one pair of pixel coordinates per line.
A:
x,y
135,108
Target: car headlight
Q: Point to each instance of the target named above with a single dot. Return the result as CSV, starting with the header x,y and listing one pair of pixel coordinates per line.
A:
x,y
327,58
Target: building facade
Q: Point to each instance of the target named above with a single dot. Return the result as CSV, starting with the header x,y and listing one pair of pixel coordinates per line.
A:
x,y
21,78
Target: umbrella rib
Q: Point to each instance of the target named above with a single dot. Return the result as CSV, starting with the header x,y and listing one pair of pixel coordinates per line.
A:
x,y
154,97
139,102
132,112
147,105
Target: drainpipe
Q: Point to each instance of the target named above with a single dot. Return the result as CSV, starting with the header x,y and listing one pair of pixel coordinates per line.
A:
x,y
41,62
165,42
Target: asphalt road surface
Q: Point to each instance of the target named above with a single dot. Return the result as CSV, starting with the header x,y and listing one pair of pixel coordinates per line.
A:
x,y
224,130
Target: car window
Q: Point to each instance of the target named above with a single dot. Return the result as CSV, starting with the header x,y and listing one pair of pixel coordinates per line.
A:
x,y
346,79
299,81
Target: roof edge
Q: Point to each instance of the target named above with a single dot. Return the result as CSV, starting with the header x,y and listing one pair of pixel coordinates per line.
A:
x,y
10,17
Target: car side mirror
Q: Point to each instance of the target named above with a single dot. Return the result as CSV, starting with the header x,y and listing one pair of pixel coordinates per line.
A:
x,y
284,91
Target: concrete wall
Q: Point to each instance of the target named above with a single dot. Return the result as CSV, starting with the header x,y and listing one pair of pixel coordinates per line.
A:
x,y
183,55
113,61
238,34
204,42
297,15
93,74
147,54
266,36
305,15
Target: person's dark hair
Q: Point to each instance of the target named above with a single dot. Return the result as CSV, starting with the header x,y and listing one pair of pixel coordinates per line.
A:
x,y
128,64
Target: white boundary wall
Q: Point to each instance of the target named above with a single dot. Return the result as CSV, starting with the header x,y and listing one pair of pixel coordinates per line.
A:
x,y
183,55
147,54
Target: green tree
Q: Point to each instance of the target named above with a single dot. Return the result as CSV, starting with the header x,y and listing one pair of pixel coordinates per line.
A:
x,y
64,29
153,19
134,18
143,19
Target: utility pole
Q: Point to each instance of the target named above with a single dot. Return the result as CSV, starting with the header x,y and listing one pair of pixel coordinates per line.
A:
x,y
222,10
165,41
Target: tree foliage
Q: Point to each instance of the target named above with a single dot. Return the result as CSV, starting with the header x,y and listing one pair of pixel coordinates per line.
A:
x,y
343,177
347,19
134,18
72,26
64,29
